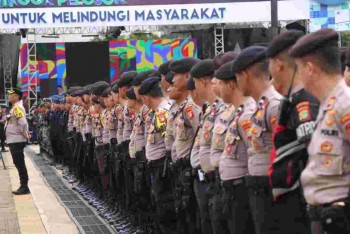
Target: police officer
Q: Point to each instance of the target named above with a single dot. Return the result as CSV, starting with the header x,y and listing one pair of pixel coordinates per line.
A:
x,y
251,70
202,73
17,136
185,122
161,190
164,70
298,111
326,178
229,152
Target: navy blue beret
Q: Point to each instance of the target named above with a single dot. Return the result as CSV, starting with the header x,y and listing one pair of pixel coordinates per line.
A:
x,y
313,41
164,68
147,85
204,68
283,42
183,65
155,74
225,72
141,77
221,59
130,93
99,87
248,57
126,78
190,84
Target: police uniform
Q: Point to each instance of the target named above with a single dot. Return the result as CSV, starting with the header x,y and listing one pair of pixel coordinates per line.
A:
x,y
326,178
260,138
207,175
161,189
298,112
17,136
230,140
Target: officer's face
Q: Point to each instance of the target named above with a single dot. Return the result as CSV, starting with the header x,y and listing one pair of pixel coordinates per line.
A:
x,y
179,81
86,98
136,91
242,82
173,92
200,87
196,98
216,87
122,92
225,90
115,97
13,98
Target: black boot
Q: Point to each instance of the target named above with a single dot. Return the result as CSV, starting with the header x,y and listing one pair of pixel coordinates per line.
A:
x,y
22,190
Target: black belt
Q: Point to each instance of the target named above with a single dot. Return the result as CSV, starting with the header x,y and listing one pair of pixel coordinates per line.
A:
x,y
210,176
227,184
314,212
257,181
156,163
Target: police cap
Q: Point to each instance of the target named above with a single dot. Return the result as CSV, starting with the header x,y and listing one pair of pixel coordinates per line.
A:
x,y
190,84
225,72
164,68
221,59
126,78
99,87
312,42
141,77
148,85
183,65
130,93
202,69
283,42
248,57
155,74
15,91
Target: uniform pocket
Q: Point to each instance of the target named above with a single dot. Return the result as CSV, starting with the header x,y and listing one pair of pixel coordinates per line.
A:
x,y
329,159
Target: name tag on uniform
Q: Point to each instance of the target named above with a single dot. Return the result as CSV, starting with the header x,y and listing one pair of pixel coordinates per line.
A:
x,y
201,175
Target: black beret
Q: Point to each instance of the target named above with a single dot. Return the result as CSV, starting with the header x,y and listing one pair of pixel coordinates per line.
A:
x,y
106,92
130,93
183,65
72,89
147,85
155,74
79,92
248,57
164,68
190,84
169,77
126,78
225,72
115,88
15,91
95,100
221,59
88,89
141,77
311,42
204,68
99,87
283,42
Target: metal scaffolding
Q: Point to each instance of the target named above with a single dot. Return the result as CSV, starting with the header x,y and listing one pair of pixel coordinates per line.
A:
x,y
32,97
219,39
7,67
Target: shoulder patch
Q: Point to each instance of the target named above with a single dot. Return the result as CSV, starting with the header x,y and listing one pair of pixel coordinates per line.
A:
x,y
345,118
18,112
189,111
246,125
304,113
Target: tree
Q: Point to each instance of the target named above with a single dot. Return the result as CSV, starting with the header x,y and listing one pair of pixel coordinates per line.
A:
x,y
345,38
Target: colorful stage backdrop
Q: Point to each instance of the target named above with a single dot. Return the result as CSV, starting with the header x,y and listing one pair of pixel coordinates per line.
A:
x,y
124,56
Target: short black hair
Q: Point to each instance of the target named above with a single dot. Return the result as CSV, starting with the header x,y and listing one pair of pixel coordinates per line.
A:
x,y
328,59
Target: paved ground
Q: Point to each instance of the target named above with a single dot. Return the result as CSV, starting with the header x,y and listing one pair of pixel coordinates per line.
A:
x,y
39,212
8,216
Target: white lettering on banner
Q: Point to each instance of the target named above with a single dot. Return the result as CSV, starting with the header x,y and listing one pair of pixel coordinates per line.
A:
x,y
149,15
